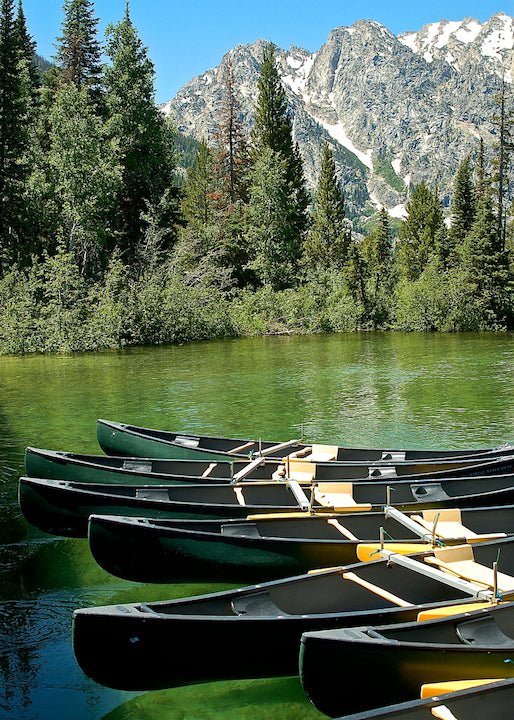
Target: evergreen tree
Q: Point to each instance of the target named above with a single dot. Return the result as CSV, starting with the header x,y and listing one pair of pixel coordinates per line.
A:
x,y
231,143
197,200
79,52
270,235
273,130
377,252
463,207
326,244
486,266
17,99
503,122
418,232
143,135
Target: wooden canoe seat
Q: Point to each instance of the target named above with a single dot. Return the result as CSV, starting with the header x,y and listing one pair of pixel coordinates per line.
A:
x,y
394,599
338,496
449,610
279,473
301,471
240,449
323,453
460,561
239,495
441,688
370,551
450,525
208,471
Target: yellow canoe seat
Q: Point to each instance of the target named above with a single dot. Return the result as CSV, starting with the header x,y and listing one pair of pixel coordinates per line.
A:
x,y
339,496
449,610
323,453
371,551
460,561
449,525
441,688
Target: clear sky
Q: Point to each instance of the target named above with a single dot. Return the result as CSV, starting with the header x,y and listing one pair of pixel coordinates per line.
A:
x,y
186,37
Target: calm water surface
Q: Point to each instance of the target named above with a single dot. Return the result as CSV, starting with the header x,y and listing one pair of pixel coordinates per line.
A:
x,y
393,390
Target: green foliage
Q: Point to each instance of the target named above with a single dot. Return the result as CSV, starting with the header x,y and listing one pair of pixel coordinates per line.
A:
x,y
326,244
382,166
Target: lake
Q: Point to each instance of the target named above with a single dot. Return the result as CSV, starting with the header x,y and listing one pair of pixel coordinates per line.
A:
x,y
380,389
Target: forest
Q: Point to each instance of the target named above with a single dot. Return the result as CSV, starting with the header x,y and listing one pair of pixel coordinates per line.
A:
x,y
116,230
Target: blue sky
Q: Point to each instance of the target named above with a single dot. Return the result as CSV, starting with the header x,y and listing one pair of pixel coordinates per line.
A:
x,y
186,38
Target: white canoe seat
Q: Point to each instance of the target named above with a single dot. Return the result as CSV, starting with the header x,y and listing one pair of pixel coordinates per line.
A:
x,y
449,525
338,496
279,473
239,495
460,561
393,455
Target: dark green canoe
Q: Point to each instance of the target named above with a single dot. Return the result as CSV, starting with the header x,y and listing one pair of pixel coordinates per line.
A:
x,y
397,660
121,439
254,631
266,547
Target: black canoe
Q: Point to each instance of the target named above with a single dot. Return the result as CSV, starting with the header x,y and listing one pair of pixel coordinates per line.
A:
x,y
255,631
63,508
102,469
398,659
121,439
493,701
267,547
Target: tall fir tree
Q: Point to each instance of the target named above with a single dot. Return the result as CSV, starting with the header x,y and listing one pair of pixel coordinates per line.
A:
x,y
464,204
486,266
273,131
79,52
416,240
144,139
503,122
377,251
326,245
17,102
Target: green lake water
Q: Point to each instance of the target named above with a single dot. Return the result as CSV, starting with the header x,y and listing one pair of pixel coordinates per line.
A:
x,y
394,390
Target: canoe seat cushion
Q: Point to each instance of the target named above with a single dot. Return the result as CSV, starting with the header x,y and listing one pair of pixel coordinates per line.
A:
x,y
323,453
338,496
460,561
449,525
448,610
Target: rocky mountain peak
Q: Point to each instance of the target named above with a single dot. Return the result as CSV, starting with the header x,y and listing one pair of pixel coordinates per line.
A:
x,y
395,110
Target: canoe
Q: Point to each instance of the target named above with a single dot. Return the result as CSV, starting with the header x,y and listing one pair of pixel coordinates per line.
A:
x,y
121,439
61,507
255,631
400,658
62,465
267,547
492,701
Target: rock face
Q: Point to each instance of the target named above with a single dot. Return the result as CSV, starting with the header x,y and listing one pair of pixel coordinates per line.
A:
x,y
395,110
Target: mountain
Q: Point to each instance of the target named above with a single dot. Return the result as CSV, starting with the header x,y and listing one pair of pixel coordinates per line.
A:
x,y
395,110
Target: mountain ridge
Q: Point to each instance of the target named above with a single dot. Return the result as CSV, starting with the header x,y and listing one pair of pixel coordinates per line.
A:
x,y
395,109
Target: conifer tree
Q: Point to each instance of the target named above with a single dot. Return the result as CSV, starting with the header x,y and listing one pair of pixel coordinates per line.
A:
x,y
326,244
486,266
198,190
143,136
79,52
17,99
418,232
231,143
463,207
503,121
377,251
273,132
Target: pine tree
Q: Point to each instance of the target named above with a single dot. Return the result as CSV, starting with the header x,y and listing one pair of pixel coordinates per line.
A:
x,y
326,244
464,206
503,122
231,143
79,52
273,131
270,235
17,102
486,265
143,137
198,190
417,234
